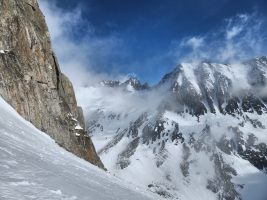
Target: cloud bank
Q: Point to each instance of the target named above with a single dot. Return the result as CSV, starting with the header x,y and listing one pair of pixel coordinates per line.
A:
x,y
238,38
84,56
79,56
78,50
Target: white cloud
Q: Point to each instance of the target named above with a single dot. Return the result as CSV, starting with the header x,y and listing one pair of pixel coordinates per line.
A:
x,y
78,57
234,31
236,25
194,42
240,37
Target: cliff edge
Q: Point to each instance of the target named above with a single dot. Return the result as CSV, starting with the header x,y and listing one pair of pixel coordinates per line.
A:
x,y
31,80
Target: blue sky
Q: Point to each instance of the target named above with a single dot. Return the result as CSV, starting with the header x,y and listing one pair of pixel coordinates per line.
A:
x,y
150,37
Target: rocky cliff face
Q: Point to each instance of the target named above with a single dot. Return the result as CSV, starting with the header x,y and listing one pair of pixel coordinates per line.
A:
x,y
31,80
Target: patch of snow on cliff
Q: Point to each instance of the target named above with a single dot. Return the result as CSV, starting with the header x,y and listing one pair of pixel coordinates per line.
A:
x,y
189,73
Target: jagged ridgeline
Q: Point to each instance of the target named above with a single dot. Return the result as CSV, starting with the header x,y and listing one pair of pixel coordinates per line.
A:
x,y
31,80
201,133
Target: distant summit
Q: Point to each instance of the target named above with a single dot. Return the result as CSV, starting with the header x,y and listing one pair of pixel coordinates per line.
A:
x,y
131,84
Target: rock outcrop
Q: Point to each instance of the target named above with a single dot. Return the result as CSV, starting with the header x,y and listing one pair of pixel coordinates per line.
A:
x,y
31,80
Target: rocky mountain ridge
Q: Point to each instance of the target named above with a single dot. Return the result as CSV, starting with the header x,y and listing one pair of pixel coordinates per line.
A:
x,y
32,82
206,134
204,86
130,84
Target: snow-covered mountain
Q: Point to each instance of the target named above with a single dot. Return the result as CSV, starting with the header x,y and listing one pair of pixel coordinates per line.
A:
x,y
131,84
199,134
33,166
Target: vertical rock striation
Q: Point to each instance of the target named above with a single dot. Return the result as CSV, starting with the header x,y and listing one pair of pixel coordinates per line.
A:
x,y
31,80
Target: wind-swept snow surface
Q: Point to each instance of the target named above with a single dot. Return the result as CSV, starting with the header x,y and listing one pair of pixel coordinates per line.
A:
x,y
33,166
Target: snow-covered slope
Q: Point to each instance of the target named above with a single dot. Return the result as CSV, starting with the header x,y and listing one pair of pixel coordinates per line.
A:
x,y
33,166
199,134
184,157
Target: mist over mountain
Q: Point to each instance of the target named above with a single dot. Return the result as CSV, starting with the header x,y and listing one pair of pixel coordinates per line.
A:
x,y
197,129
200,130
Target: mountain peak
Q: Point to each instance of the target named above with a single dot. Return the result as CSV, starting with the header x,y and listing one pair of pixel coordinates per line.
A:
x,y
131,84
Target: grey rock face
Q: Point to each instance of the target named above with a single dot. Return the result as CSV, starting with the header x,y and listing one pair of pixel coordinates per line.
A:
x,y
31,80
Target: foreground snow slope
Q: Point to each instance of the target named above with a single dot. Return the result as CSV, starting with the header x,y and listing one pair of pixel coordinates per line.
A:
x,y
33,166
